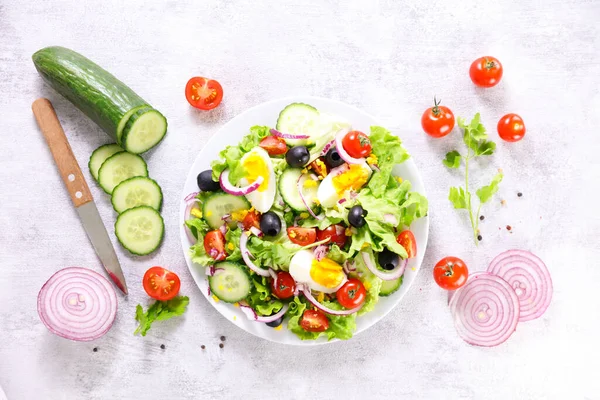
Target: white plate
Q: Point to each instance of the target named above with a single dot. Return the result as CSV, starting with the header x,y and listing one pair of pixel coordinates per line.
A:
x,y
266,114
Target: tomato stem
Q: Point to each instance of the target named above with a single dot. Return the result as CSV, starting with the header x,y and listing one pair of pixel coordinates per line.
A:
x,y
436,110
489,64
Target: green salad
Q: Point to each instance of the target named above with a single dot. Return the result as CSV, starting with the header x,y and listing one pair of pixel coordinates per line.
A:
x,y
304,225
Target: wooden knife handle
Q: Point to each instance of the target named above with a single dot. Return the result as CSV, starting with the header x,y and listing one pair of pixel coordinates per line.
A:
x,y
61,151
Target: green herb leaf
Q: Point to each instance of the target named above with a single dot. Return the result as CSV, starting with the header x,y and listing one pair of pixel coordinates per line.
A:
x,y
459,198
452,159
159,311
485,193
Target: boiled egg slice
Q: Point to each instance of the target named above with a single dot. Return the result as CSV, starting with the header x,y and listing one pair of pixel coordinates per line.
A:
x,y
325,276
337,185
258,163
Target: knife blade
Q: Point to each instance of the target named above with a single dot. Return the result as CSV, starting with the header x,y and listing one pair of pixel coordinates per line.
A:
x,y
78,189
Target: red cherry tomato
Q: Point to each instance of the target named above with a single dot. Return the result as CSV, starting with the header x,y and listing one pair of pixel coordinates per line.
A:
x,y
511,128
161,284
302,236
336,234
283,285
252,219
437,121
407,240
450,273
214,244
486,71
203,93
314,321
352,294
274,145
357,144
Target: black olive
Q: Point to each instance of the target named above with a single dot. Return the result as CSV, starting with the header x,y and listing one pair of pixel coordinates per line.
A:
x,y
276,323
270,224
297,156
333,159
356,216
206,183
388,260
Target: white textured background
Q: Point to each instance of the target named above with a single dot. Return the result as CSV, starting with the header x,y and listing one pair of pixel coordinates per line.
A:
x,y
387,57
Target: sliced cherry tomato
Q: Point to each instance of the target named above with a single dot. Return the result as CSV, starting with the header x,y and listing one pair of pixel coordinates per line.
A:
x,y
437,121
274,145
511,128
203,93
302,236
336,234
252,219
357,144
283,285
486,71
352,294
314,321
214,244
319,167
407,240
450,273
161,284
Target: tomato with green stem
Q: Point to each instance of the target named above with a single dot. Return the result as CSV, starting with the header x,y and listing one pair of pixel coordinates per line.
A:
x,y
486,71
357,144
352,294
450,273
437,121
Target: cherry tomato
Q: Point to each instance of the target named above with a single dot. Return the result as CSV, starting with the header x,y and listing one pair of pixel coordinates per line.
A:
x,y
283,285
450,273
407,240
314,321
357,144
161,284
336,234
437,121
352,294
274,145
511,128
486,71
302,236
252,219
214,244
203,93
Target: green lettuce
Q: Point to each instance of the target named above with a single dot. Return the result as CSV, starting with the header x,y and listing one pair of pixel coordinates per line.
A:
x,y
272,254
261,299
340,327
389,151
197,226
232,239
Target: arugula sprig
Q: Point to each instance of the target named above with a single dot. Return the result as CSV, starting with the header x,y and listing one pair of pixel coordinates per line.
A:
x,y
478,145
159,311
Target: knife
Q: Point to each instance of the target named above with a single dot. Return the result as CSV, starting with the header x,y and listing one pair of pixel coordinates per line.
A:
x,y
78,189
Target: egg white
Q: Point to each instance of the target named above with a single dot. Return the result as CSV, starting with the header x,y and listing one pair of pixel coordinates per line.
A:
x,y
300,266
327,195
262,201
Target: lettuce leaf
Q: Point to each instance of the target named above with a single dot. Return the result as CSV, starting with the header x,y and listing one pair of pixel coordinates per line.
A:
x,y
272,254
340,327
389,151
232,244
261,298
197,226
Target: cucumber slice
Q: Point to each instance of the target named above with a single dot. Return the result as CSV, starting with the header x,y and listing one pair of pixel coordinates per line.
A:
x,y
231,282
100,155
126,117
144,130
389,287
219,204
288,187
136,191
298,119
120,167
140,230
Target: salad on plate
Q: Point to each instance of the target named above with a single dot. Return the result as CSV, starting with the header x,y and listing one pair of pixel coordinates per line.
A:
x,y
304,224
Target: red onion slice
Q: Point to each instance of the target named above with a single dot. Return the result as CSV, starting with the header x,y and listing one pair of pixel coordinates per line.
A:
x,y
342,152
275,132
314,302
485,310
530,279
384,275
255,231
320,251
77,304
238,191
327,147
300,185
246,256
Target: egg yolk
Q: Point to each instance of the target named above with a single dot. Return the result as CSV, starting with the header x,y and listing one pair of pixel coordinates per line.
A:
x,y
255,166
354,178
326,273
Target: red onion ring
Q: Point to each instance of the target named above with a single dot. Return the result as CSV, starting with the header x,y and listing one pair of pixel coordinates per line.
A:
x,y
314,302
327,147
342,152
246,256
320,251
299,185
223,229
530,279
77,304
485,310
251,314
275,132
238,191
255,231
211,270
191,196
384,275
